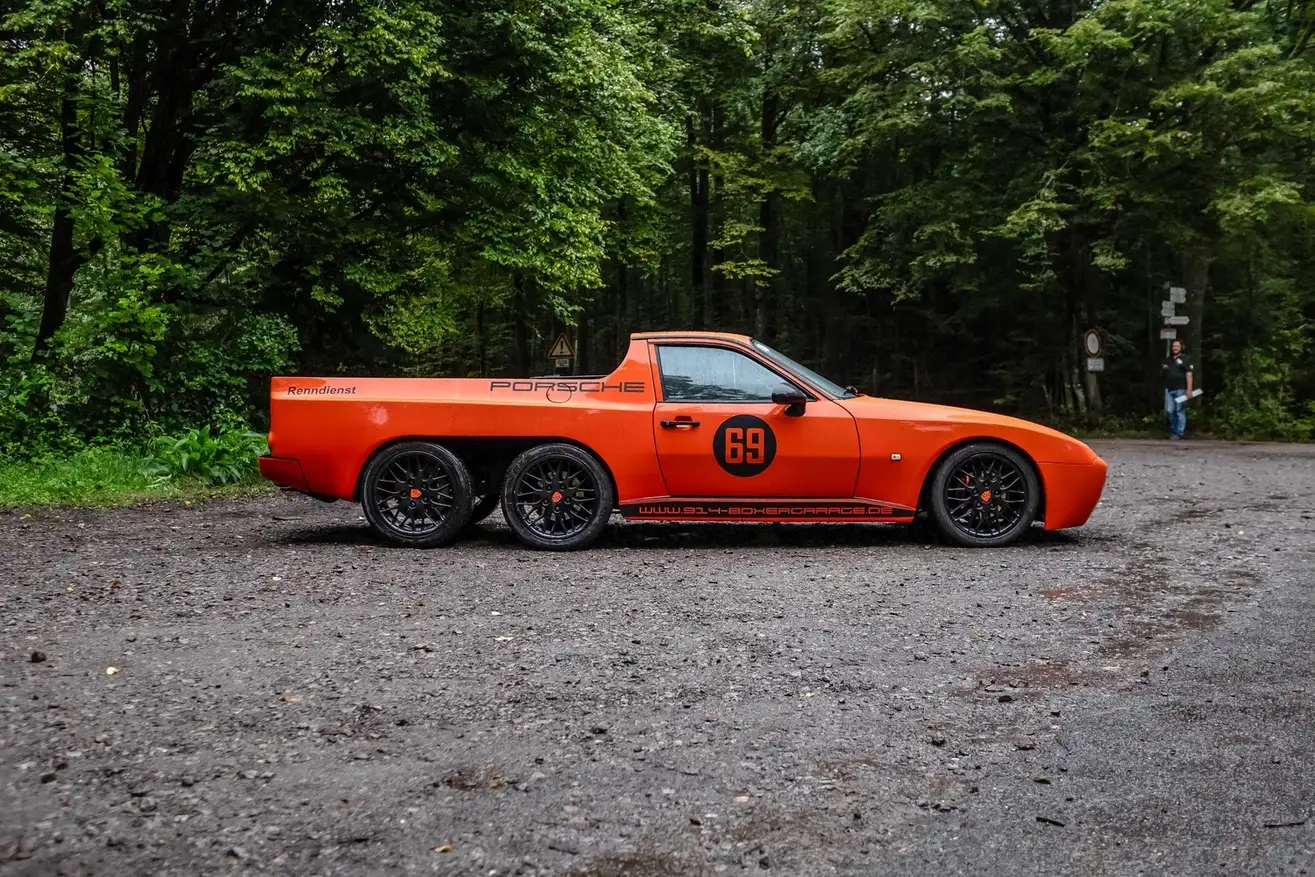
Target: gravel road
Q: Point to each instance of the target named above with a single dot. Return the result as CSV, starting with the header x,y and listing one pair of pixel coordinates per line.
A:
x,y
291,696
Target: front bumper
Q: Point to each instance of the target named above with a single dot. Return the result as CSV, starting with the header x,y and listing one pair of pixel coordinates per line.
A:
x,y
1072,491
284,472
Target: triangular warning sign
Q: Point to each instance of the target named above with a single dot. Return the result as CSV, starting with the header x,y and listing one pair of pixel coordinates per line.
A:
x,y
561,348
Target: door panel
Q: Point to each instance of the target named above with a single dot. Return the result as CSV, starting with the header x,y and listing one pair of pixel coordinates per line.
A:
x,y
738,449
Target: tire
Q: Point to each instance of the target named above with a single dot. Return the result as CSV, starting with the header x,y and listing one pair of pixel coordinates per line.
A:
x,y
1003,476
537,497
486,479
485,504
416,494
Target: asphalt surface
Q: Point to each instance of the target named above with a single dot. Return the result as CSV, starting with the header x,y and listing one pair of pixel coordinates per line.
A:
x,y
293,697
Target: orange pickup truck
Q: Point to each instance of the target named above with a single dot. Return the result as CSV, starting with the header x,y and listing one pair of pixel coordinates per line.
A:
x,y
691,426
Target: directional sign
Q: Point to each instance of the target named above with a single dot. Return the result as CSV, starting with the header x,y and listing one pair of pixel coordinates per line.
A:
x,y
1177,295
1168,334
1166,309
1095,364
1176,321
561,348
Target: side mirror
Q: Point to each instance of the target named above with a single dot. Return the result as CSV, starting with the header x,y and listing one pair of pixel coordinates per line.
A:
x,y
791,397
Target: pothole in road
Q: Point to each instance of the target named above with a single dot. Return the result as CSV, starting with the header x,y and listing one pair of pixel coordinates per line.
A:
x,y
475,779
635,865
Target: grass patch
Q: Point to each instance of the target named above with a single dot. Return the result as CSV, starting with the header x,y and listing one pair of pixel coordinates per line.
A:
x,y
101,477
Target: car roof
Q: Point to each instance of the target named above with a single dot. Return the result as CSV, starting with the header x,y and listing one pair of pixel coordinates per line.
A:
x,y
687,335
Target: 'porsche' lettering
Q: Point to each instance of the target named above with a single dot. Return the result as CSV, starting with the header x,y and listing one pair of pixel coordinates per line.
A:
x,y
567,386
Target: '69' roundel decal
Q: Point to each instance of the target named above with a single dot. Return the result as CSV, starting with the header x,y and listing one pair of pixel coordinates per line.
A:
x,y
744,445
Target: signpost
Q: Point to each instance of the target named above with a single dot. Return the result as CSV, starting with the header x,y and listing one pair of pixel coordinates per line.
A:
x,y
1091,343
1169,313
561,352
1092,346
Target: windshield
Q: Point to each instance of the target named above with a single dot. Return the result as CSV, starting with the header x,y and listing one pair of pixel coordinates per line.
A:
x,y
807,373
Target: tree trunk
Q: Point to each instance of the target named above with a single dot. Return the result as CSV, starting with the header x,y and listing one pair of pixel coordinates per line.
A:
x,y
1081,292
481,343
582,345
623,306
718,296
1196,276
767,294
622,324
64,260
59,278
698,199
520,329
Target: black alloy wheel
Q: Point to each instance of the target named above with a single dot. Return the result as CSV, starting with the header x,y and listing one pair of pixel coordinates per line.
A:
x,y
557,497
985,495
416,494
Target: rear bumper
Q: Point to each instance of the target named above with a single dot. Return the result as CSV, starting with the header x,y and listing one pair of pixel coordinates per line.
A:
x,y
284,472
1072,491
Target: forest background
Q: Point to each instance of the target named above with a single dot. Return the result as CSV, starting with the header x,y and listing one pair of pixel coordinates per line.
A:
x,y
931,199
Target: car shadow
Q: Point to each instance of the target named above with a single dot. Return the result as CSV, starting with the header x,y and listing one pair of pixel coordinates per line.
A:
x,y
494,534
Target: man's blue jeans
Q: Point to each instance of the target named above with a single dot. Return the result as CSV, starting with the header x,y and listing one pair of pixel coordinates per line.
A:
x,y
1177,413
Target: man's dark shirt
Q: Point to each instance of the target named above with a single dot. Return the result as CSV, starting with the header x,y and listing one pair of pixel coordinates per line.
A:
x,y
1175,370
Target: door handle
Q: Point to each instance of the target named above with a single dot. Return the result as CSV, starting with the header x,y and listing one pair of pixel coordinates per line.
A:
x,y
679,424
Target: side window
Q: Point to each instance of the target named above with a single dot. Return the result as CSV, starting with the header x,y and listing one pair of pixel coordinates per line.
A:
x,y
713,374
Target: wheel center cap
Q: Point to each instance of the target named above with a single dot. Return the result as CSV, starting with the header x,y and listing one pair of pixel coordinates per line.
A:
x,y
986,496
556,496
415,493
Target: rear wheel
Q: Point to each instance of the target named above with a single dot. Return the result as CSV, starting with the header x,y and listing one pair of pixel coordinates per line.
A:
x,y
557,497
984,495
416,494
486,487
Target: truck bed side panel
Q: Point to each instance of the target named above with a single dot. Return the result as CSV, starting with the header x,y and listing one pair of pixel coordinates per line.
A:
x,y
331,426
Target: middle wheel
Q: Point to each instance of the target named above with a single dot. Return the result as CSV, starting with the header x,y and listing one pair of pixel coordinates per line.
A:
x,y
557,497
486,489
483,505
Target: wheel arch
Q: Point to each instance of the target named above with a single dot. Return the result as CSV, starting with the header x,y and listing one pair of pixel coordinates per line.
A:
x,y
925,490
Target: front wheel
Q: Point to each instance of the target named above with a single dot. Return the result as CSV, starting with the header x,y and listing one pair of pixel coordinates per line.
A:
x,y
984,496
416,494
557,497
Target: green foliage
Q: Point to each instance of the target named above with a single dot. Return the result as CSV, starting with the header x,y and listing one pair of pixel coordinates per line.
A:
x,y
226,458
30,417
92,476
104,476
928,198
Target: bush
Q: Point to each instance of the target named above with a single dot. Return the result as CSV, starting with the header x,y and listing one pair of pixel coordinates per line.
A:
x,y
226,458
1237,416
31,424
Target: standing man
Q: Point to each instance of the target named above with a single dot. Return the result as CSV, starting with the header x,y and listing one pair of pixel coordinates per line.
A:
x,y
1177,369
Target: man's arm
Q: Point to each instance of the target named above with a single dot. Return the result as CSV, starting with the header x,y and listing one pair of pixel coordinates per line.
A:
x,y
1190,369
